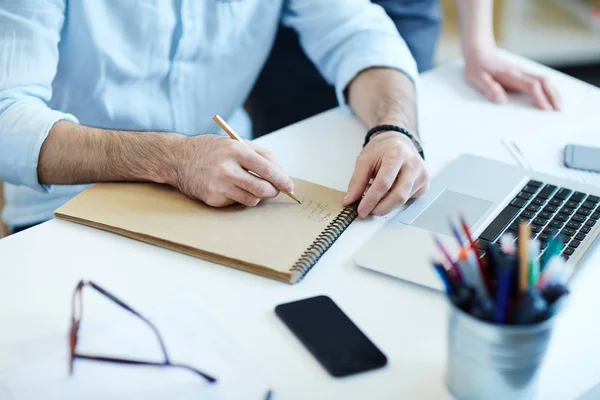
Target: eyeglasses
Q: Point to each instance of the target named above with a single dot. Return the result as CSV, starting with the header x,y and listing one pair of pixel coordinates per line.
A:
x,y
76,322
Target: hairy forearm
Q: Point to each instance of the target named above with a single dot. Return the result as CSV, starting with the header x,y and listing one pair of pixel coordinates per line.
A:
x,y
76,154
384,96
476,23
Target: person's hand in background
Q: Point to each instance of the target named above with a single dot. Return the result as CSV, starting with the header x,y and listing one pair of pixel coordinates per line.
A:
x,y
485,67
494,76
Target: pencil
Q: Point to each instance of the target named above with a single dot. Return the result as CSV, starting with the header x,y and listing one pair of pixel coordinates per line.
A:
x,y
523,249
443,274
225,126
475,249
534,262
456,233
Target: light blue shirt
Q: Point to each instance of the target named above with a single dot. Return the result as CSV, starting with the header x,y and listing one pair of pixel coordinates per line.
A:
x,y
157,65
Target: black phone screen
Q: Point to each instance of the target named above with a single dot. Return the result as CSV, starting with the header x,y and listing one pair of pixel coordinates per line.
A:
x,y
331,336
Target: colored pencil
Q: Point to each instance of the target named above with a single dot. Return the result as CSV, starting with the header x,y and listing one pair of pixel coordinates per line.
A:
x,y
523,249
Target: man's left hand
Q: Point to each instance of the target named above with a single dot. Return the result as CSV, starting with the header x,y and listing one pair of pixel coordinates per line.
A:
x,y
493,75
398,173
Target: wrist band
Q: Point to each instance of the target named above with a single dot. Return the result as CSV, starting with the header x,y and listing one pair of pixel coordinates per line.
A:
x,y
383,128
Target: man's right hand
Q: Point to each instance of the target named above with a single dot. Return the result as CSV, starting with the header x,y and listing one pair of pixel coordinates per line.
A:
x,y
210,168
214,169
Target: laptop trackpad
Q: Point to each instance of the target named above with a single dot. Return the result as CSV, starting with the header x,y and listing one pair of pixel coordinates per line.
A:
x,y
447,207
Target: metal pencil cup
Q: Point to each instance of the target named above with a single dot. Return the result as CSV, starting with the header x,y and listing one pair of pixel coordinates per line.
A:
x,y
487,361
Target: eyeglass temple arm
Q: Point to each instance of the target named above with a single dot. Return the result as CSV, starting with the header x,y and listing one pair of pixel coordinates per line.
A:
x,y
148,363
137,314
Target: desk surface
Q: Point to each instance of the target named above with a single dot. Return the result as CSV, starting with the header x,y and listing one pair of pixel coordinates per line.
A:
x,y
40,267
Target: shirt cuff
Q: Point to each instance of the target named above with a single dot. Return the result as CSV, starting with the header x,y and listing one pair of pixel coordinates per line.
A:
x,y
28,126
375,51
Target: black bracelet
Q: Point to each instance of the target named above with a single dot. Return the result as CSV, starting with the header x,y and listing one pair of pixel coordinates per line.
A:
x,y
383,128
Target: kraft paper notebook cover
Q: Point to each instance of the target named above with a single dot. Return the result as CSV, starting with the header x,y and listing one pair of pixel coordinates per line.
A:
x,y
279,238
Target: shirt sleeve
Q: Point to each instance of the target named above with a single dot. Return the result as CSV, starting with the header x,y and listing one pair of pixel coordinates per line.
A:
x,y
30,33
344,37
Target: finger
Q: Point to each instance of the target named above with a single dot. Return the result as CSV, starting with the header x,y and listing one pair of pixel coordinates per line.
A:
x,y
526,84
383,182
491,88
551,92
359,181
263,152
267,170
400,193
421,191
242,196
252,184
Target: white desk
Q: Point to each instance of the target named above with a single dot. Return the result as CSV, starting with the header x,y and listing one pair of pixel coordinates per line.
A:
x,y
40,267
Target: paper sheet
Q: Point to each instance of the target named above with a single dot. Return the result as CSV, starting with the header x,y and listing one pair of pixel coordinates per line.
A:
x,y
546,155
39,370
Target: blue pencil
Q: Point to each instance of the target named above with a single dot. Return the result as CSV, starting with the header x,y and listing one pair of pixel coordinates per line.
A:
x,y
456,233
444,277
502,295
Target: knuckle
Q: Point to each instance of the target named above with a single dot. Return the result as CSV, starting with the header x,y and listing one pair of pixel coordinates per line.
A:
x,y
269,154
425,176
224,172
534,85
514,71
363,158
261,191
401,196
396,153
230,148
378,213
220,191
384,184
250,201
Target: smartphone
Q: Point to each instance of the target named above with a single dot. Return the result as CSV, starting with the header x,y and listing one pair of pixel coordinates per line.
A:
x,y
332,338
582,157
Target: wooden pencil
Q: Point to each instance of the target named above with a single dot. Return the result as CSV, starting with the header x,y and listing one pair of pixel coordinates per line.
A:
x,y
523,249
232,134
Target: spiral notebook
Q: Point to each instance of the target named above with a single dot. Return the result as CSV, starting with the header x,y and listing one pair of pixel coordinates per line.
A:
x,y
278,239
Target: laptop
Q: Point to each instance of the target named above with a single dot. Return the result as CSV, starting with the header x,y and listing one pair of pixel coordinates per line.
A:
x,y
494,197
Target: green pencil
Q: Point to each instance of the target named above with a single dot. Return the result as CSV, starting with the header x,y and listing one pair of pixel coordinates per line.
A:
x,y
534,262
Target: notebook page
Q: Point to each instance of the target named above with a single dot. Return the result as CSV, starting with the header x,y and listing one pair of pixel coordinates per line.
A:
x,y
39,369
274,234
547,155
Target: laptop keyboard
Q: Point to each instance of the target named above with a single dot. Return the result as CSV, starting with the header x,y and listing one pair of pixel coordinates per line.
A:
x,y
551,211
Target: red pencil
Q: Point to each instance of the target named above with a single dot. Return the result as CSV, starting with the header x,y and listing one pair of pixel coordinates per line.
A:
x,y
456,271
475,248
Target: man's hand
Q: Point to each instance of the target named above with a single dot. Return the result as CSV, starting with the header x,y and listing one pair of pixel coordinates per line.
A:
x,y
214,169
210,168
493,75
398,173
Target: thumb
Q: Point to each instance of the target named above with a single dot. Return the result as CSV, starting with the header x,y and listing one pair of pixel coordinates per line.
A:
x,y
358,183
491,88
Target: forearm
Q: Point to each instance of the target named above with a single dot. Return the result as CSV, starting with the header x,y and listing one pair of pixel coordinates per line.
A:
x,y
76,154
476,24
384,96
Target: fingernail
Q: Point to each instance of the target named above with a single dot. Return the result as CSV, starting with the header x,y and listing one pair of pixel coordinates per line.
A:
x,y
346,197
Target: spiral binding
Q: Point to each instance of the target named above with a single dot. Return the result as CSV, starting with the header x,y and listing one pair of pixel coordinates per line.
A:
x,y
324,241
